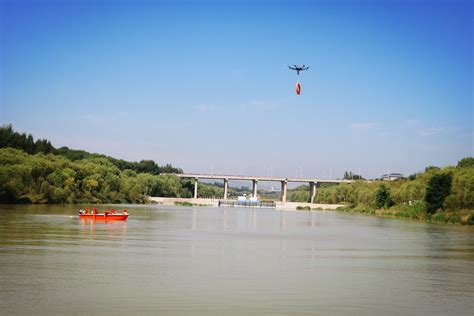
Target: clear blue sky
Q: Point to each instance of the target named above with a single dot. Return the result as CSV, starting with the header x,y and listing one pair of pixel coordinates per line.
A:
x,y
204,85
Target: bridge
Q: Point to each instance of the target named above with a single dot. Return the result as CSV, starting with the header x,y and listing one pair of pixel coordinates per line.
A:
x,y
313,183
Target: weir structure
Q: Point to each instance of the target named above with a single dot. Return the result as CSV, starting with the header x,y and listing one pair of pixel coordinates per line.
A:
x,y
313,183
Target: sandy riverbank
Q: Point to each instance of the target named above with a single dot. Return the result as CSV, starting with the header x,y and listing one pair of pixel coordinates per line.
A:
x,y
288,206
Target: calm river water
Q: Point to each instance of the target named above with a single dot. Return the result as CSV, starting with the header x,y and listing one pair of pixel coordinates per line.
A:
x,y
214,261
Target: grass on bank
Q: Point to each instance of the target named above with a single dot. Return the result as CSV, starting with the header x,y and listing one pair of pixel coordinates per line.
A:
x,y
417,211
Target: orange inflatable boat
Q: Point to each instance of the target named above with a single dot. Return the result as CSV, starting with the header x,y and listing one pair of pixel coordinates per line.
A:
x,y
108,215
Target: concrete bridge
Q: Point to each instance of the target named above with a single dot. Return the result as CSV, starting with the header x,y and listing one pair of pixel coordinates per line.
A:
x,y
313,183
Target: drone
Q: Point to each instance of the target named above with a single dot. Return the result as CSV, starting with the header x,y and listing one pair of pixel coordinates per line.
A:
x,y
298,68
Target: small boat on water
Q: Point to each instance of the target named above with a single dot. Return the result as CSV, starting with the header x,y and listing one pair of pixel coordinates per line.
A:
x,y
111,215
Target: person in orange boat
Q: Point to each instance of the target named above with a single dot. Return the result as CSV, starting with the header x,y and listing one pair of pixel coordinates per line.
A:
x,y
124,212
94,211
86,211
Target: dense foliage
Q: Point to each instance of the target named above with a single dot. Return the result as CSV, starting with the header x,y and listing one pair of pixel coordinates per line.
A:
x,y
298,194
383,198
36,172
12,139
466,162
49,178
437,189
437,195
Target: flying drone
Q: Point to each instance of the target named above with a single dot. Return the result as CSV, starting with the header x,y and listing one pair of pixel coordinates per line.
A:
x,y
298,69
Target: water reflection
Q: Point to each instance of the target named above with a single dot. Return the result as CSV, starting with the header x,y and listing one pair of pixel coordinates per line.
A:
x,y
90,227
247,220
282,220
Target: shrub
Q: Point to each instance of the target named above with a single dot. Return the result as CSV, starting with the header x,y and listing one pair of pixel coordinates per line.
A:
x,y
455,219
470,221
382,198
439,217
439,187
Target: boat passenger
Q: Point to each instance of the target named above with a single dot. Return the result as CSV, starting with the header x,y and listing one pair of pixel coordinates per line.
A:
x,y
124,212
94,211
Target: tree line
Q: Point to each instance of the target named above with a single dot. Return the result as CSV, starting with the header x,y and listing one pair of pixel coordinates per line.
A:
x,y
50,178
11,139
433,193
449,188
36,172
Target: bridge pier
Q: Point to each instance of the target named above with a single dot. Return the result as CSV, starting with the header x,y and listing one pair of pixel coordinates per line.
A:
x,y
226,187
284,185
195,188
254,188
312,191
313,183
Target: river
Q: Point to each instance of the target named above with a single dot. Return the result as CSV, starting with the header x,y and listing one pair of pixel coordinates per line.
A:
x,y
215,261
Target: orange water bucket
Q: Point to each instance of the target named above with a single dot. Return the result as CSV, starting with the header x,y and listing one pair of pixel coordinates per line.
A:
x,y
298,88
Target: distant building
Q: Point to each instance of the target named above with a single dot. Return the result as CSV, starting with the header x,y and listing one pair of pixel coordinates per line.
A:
x,y
392,176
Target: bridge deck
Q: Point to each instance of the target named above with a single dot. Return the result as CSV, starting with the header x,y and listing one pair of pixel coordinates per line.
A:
x,y
251,178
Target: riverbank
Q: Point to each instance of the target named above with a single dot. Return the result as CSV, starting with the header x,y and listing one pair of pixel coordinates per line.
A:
x,y
464,217
287,206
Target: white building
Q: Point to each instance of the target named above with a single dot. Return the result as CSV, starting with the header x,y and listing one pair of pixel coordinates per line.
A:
x,y
392,176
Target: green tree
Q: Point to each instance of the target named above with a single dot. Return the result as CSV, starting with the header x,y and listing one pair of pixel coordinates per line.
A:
x,y
352,176
12,139
462,190
382,198
439,187
466,162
